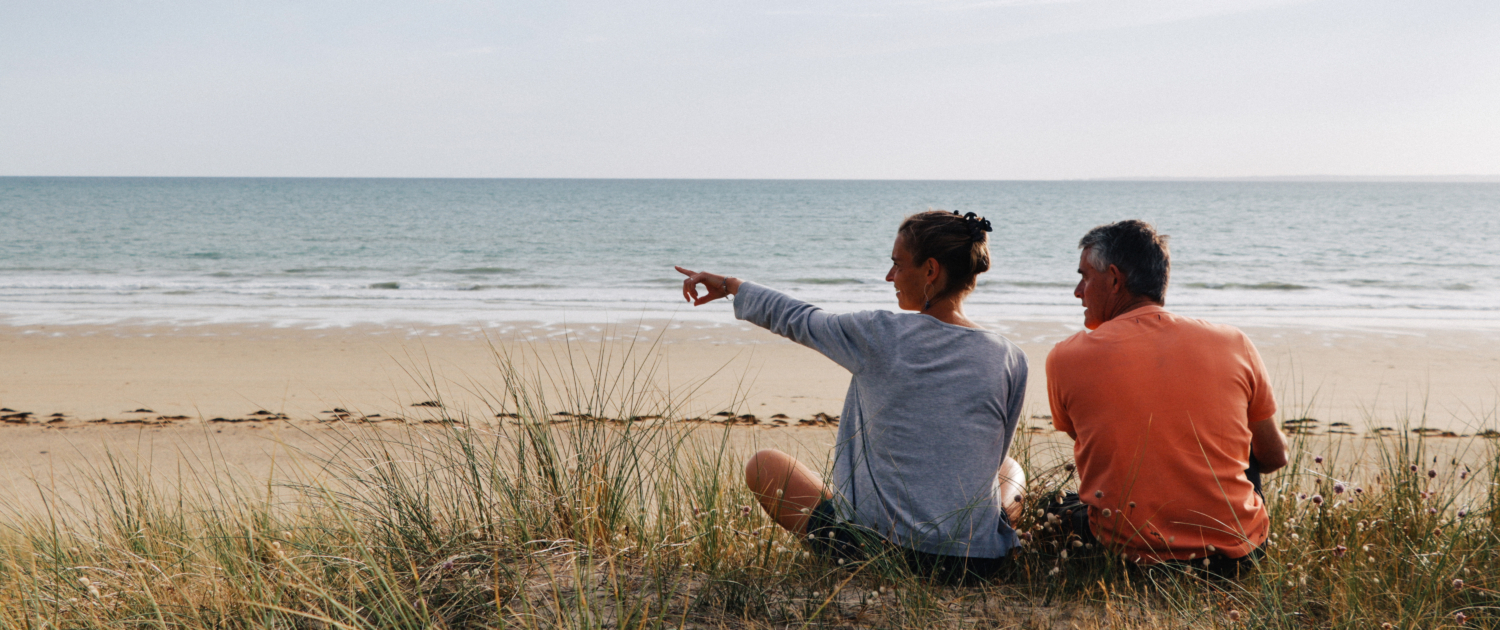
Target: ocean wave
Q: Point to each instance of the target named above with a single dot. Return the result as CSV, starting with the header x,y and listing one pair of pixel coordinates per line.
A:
x,y
386,285
1260,286
829,281
478,271
1028,284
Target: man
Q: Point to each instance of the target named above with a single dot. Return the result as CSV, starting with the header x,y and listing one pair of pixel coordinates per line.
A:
x,y
1171,417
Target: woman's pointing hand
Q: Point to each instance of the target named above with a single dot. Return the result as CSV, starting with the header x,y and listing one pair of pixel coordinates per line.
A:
x,y
715,286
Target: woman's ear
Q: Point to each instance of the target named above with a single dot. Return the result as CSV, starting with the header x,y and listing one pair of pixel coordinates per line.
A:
x,y
931,270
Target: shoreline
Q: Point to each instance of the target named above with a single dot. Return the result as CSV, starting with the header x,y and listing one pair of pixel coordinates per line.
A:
x,y
1363,377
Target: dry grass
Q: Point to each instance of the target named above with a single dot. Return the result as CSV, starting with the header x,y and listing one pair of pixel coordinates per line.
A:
x,y
542,525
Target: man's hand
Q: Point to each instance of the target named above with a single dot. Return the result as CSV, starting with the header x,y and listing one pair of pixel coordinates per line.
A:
x,y
1268,445
715,286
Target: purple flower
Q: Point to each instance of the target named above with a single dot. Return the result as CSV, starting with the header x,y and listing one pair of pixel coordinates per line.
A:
x,y
1317,499
1318,459
1432,474
1338,488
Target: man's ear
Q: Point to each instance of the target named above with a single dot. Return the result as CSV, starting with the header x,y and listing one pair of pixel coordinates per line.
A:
x,y
1116,279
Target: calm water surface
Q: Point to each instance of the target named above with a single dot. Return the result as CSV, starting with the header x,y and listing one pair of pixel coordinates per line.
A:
x,y
336,252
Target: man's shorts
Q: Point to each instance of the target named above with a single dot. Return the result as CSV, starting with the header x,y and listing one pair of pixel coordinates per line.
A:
x,y
841,540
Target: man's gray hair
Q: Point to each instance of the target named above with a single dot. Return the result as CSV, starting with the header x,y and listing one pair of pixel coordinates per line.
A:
x,y
1135,249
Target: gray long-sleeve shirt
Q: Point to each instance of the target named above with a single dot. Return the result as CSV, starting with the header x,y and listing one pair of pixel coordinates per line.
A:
x,y
929,416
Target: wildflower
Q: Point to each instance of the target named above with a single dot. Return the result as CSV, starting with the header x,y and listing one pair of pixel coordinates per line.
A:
x,y
1070,467
1026,535
1339,551
1107,513
778,493
1338,488
1234,615
1317,499
1132,505
1065,554
1205,562
1077,544
1318,459
1374,580
1463,475
1458,585
1432,510
1414,468
1358,490
1040,513
84,581
1295,536
1213,549
1054,571
1387,626
1098,494
745,510
1462,512
1431,474
1365,549
1302,496
1460,617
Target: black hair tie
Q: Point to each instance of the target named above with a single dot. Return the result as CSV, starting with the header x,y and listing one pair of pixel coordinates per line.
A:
x,y
976,225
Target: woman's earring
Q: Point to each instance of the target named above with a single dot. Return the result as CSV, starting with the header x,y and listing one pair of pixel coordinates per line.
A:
x,y
927,293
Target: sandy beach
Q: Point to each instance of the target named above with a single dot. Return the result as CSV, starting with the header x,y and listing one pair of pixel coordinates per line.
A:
x,y
77,375
239,395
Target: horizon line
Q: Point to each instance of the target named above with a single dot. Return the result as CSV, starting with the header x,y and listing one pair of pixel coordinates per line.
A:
x,y
1148,178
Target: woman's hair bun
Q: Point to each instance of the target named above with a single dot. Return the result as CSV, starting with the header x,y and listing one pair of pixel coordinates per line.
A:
x,y
976,225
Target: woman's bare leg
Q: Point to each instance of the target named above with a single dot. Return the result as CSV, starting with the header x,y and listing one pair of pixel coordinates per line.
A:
x,y
1012,489
786,489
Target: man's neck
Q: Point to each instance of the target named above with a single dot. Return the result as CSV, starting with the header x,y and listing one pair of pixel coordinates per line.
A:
x,y
1135,302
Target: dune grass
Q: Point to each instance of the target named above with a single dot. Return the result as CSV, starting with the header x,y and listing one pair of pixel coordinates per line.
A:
x,y
531,523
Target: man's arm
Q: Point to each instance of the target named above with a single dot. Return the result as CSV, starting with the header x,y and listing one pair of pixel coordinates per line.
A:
x,y
1267,444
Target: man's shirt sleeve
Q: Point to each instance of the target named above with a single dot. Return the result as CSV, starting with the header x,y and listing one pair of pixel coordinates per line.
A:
x,y
1060,419
1262,400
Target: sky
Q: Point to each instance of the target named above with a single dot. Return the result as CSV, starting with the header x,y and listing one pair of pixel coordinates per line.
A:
x,y
778,89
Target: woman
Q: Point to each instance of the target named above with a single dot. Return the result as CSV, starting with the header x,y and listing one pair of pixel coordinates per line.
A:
x,y
930,412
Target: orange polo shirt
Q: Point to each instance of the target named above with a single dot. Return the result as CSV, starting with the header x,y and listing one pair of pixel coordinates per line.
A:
x,y
1160,407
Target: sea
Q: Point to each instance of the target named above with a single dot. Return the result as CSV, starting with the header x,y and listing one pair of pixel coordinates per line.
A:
x,y
322,253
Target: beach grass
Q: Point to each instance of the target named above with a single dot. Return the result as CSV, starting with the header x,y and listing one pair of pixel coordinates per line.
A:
x,y
534,523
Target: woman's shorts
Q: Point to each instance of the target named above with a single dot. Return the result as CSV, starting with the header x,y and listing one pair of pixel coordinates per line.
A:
x,y
830,538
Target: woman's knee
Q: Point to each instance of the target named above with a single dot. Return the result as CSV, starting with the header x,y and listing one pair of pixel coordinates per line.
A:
x,y
760,462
